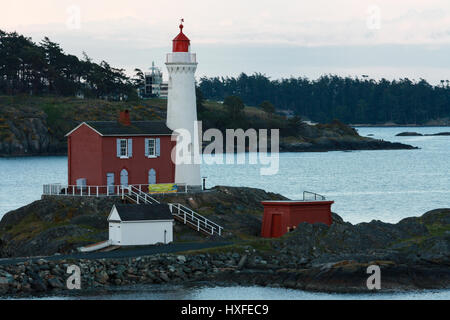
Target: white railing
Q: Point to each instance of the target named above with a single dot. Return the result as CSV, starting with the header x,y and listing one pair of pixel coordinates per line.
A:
x,y
58,189
82,191
181,57
195,220
181,188
182,213
135,194
139,197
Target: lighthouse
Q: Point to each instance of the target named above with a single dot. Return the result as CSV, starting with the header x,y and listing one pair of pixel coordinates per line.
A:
x,y
182,107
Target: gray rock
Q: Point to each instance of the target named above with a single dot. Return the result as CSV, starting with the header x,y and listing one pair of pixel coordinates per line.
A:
x,y
164,277
39,285
102,277
242,262
55,283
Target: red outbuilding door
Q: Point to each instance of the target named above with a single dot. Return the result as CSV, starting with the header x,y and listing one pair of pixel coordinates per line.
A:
x,y
276,231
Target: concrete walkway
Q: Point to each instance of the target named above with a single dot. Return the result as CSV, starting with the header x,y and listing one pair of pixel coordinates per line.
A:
x,y
123,253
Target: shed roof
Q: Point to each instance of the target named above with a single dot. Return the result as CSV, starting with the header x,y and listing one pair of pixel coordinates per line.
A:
x,y
137,128
143,212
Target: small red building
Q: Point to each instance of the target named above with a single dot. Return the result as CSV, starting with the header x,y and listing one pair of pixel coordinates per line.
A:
x,y
109,153
282,216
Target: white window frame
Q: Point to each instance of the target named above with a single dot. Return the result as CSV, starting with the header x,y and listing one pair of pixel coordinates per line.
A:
x,y
121,148
154,148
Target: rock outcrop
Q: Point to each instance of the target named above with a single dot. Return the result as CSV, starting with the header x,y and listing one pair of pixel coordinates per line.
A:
x,y
59,224
335,136
26,131
31,126
416,134
412,254
38,125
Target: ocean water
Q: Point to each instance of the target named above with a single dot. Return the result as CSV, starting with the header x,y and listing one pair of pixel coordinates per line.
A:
x,y
365,185
176,292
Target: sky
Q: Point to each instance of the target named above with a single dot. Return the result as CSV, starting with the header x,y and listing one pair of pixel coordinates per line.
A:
x,y
390,39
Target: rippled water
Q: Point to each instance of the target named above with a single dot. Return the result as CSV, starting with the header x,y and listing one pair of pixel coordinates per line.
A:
x,y
386,185
164,292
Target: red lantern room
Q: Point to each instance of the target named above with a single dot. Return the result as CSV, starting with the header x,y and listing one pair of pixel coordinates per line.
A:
x,y
181,43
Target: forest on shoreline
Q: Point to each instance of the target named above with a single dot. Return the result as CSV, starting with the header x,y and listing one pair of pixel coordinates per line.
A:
x,y
44,69
351,100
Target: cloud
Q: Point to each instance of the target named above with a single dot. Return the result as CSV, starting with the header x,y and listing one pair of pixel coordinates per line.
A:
x,y
250,36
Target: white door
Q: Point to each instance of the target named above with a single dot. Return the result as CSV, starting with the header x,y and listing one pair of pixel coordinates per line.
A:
x,y
124,178
110,182
116,234
152,177
119,234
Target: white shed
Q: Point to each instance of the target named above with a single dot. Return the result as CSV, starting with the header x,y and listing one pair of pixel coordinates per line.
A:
x,y
140,224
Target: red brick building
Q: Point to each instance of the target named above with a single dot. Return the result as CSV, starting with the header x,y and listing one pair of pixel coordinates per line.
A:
x,y
108,153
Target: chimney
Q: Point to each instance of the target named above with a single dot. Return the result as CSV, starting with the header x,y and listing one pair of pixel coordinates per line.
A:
x,y
125,118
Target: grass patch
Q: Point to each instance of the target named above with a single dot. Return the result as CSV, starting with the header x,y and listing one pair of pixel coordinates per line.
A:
x,y
261,245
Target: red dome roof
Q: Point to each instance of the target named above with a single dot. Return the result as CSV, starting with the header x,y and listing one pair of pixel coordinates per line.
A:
x,y
181,43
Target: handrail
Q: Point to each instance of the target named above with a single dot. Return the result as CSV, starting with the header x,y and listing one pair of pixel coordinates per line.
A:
x,y
75,190
196,219
143,195
196,214
316,195
134,194
58,189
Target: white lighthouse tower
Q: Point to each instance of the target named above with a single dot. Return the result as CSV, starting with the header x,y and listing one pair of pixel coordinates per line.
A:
x,y
182,105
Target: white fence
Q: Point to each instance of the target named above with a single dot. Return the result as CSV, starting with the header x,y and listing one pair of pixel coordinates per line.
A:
x,y
136,195
99,191
195,220
181,213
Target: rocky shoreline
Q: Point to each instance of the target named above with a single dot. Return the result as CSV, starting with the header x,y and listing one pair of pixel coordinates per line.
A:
x,y
343,144
416,134
412,254
38,127
43,277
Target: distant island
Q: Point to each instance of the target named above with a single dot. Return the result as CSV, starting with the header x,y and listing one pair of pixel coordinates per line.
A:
x,y
413,134
31,125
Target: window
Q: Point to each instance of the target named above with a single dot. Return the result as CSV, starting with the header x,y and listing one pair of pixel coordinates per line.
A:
x,y
151,147
123,148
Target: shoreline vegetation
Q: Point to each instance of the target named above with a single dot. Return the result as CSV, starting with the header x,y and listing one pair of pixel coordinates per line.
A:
x,y
412,254
31,125
44,68
394,125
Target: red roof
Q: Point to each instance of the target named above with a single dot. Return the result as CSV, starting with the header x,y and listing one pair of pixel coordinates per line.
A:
x,y
181,43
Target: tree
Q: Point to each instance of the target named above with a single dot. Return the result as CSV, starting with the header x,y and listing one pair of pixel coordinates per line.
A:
x,y
267,107
294,125
352,100
44,68
200,101
234,106
139,78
